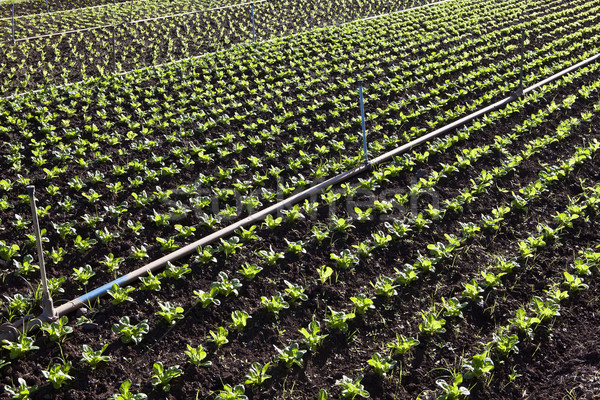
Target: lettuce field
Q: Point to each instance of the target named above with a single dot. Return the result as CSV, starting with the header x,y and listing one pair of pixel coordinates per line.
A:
x,y
464,266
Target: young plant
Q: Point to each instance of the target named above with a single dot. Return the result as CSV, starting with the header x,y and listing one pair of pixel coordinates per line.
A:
x,y
170,312
523,322
23,344
22,391
112,263
150,282
58,330
219,337
402,344
384,286
197,355
338,320
452,307
294,292
271,256
230,246
125,394
432,324
480,365
207,298
382,364
232,393
272,223
312,337
239,319
274,304
162,377
175,272
352,388
83,274
324,272
226,286
249,271
345,261
58,374
131,333
291,355
120,294
93,358
454,390
505,344
362,303
257,374
574,283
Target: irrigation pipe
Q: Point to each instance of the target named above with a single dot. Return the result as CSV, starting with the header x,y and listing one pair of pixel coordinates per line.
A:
x,y
10,331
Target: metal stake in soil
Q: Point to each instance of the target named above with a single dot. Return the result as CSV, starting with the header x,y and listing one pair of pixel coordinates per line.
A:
x,y
519,91
12,17
362,117
253,30
47,304
47,7
114,59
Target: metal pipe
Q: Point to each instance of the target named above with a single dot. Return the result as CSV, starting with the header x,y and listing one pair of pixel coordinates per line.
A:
x,y
12,17
362,117
253,30
47,305
114,59
7,331
519,91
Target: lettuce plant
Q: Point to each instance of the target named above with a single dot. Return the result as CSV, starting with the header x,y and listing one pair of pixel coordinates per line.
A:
x,y
219,337
382,364
239,319
120,294
257,374
197,355
291,355
351,388
480,365
131,333
163,376
22,391
275,303
207,298
170,312
249,271
226,286
362,303
312,337
232,393
93,358
125,394
454,390
338,320
57,330
58,374
402,344
21,346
